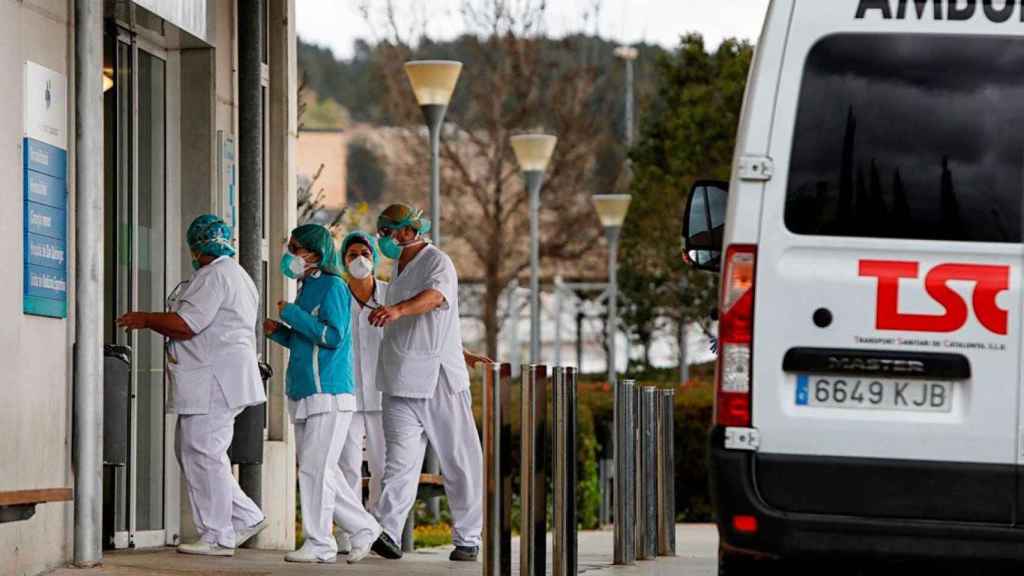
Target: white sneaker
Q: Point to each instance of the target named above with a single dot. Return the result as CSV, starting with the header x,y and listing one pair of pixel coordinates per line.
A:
x,y
202,548
344,544
358,553
306,555
245,534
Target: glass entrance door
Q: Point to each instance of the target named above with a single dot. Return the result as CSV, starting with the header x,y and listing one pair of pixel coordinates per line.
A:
x,y
150,248
135,252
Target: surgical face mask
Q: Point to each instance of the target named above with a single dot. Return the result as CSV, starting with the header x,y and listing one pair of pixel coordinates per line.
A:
x,y
293,266
360,268
390,248
393,248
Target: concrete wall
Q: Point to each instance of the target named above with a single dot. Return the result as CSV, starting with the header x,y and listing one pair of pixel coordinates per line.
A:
x,y
279,451
35,433
226,65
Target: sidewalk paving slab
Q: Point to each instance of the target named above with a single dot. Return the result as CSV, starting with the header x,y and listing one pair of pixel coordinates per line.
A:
x,y
696,551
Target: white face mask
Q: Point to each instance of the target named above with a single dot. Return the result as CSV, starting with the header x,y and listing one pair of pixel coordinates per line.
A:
x,y
360,268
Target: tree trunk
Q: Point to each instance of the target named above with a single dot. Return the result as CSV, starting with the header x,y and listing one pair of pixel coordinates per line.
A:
x,y
492,294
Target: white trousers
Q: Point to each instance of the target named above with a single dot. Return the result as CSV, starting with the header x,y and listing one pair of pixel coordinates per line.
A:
x,y
323,493
219,507
367,430
446,420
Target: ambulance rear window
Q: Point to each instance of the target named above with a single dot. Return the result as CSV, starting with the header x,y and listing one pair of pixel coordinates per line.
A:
x,y
910,136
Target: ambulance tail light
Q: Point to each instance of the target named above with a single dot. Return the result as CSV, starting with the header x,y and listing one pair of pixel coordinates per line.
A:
x,y
745,524
735,335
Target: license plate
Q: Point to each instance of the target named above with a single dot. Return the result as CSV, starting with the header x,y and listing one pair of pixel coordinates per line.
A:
x,y
873,393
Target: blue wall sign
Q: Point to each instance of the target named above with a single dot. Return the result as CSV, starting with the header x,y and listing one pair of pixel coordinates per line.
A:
x,y
45,242
44,177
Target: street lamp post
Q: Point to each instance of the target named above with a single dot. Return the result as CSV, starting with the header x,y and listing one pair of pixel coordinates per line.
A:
x,y
533,152
611,210
433,82
628,55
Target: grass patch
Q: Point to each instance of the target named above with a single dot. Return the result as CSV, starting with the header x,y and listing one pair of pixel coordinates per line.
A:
x,y
432,535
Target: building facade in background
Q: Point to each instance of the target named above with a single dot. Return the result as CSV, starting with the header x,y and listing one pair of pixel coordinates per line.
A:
x,y
170,153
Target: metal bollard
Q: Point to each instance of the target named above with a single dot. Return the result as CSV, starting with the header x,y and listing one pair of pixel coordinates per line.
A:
x,y
672,469
605,473
497,472
565,552
648,483
666,475
533,483
624,548
639,510
650,468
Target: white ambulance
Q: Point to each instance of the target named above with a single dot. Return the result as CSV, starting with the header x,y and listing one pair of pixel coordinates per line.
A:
x,y
868,394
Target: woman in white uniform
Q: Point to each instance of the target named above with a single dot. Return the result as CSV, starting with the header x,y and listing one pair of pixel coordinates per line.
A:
x,y
316,329
359,253
214,375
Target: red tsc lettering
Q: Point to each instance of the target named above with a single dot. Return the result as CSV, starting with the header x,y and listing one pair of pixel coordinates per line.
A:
x,y
988,281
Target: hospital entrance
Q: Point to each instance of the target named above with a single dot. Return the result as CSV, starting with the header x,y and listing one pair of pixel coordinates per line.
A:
x,y
135,276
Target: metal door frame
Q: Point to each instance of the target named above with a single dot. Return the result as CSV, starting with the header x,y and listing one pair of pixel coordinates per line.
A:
x,y
135,538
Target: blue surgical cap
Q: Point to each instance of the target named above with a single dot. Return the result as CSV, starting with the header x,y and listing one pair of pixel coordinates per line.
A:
x,y
210,236
398,216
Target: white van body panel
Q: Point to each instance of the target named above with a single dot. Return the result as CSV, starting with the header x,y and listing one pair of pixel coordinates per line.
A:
x,y
754,133
797,274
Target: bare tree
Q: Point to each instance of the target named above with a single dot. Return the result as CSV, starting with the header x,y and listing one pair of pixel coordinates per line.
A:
x,y
514,80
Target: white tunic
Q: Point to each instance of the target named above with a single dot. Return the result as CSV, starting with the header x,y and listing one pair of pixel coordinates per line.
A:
x,y
366,340
416,348
220,305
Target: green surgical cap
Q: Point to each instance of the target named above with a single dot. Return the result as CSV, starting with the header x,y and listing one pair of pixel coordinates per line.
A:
x,y
358,237
318,239
210,236
399,216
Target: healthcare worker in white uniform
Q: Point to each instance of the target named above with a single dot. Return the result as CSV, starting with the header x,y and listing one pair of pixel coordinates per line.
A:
x,y
359,254
422,371
214,375
320,386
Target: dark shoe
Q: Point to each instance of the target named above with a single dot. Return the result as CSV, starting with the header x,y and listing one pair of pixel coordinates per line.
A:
x,y
464,554
385,547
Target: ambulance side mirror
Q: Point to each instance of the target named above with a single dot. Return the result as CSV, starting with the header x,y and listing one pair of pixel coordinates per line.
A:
x,y
704,224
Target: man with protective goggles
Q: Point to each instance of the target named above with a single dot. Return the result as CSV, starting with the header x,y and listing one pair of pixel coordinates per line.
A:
x,y
422,373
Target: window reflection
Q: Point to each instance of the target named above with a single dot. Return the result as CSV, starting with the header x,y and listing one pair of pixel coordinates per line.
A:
x,y
909,136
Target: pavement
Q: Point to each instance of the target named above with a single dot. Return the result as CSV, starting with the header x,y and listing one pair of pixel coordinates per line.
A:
x,y
696,551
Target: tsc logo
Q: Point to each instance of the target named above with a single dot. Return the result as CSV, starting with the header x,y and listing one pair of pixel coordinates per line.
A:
x,y
988,281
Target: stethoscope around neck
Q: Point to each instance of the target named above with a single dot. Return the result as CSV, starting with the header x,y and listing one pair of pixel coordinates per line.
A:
x,y
373,297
